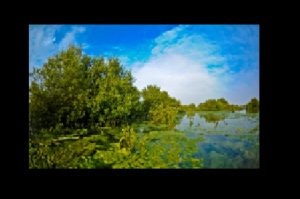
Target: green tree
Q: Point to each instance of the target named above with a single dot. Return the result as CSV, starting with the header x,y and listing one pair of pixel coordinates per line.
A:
x,y
114,100
252,106
74,91
58,92
215,105
159,107
152,96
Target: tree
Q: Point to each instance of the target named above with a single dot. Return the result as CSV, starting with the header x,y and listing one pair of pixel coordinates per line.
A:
x,y
153,98
159,107
114,99
75,94
215,105
58,91
252,106
74,91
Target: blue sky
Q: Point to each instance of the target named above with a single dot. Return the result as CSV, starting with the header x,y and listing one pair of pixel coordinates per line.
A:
x,y
192,62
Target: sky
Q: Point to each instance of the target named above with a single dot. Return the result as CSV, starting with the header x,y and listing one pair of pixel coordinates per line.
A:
x,y
192,62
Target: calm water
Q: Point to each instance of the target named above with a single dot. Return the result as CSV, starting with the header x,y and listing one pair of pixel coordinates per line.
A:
x,y
231,139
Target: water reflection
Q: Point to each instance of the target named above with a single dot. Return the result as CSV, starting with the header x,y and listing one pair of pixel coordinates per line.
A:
x,y
191,115
231,139
212,117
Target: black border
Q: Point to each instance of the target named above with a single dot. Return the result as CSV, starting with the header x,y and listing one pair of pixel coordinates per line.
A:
x,y
20,97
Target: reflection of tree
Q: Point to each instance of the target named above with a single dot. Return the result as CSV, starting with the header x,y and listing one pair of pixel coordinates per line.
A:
x,y
253,115
216,124
191,123
179,117
190,115
213,118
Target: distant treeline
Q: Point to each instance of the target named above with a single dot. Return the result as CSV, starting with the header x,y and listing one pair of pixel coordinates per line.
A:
x,y
222,105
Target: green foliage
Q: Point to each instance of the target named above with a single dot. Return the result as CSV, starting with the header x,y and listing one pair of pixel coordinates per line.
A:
x,y
158,149
74,91
159,107
236,107
58,92
128,138
214,105
218,105
212,117
115,100
59,153
153,97
252,106
164,115
188,108
168,149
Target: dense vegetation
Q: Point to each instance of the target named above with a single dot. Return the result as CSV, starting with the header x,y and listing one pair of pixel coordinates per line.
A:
x,y
218,105
84,112
81,111
252,106
159,107
74,91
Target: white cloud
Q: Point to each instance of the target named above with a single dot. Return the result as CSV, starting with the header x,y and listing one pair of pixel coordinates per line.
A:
x,y
168,37
85,46
192,69
179,65
42,42
69,38
181,77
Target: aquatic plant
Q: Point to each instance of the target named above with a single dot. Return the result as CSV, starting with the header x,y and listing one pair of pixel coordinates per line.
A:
x,y
167,149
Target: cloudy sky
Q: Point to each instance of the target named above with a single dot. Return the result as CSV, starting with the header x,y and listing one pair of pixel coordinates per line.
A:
x,y
192,62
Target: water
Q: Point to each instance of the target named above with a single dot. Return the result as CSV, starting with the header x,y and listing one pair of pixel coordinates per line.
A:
x,y
231,139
